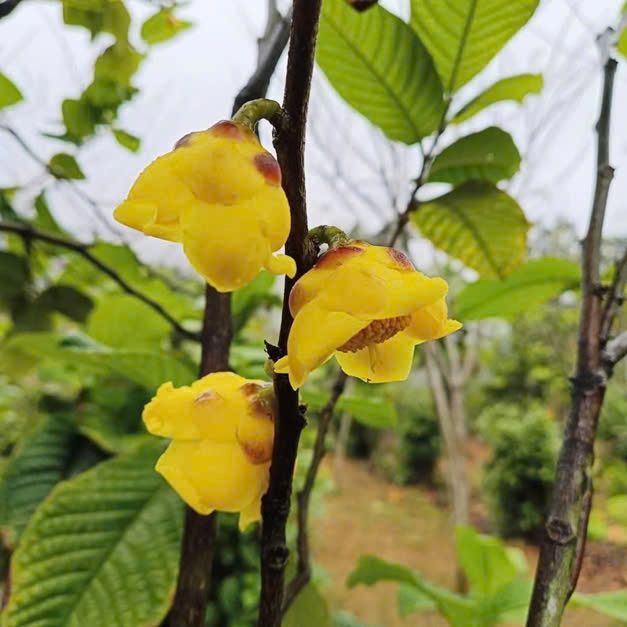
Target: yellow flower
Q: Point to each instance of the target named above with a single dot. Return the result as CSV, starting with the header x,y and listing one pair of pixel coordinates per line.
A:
x,y
219,194
222,427
368,306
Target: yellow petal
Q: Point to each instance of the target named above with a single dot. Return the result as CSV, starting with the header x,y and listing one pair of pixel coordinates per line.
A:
x,y
252,512
315,335
280,264
210,476
431,322
169,413
380,363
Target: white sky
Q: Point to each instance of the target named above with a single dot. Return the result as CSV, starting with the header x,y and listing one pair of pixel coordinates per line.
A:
x,y
189,83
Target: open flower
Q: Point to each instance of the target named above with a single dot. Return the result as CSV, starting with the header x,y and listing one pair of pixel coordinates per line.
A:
x,y
222,427
368,306
219,193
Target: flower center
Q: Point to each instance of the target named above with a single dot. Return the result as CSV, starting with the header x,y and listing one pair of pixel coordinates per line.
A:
x,y
377,332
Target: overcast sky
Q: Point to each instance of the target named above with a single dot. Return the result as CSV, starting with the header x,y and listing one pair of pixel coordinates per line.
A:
x,y
190,83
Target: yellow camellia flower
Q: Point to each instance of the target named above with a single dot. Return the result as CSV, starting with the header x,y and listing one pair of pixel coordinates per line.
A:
x,y
219,194
222,427
368,306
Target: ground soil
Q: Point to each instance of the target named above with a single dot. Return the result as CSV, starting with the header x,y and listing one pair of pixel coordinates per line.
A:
x,y
365,514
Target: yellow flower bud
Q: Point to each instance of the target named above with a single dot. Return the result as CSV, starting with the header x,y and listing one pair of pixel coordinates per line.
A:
x,y
222,431
219,194
368,306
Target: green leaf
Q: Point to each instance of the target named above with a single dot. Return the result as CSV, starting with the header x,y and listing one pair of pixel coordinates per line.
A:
x,y
102,549
34,468
110,16
66,300
527,286
378,65
44,219
372,569
64,166
78,117
9,93
162,26
412,600
127,140
513,88
489,155
464,35
478,224
612,604
122,321
14,275
309,609
373,411
621,45
485,561
118,63
617,509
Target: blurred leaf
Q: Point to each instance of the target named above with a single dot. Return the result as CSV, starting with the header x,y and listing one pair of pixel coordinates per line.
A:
x,y
617,509
64,166
122,321
621,46
378,65
412,600
44,219
485,561
478,224
78,118
527,286
512,88
372,569
117,63
162,26
66,300
110,16
373,411
309,609
509,603
34,468
14,274
489,155
127,140
612,604
9,93
258,293
464,35
6,208
94,539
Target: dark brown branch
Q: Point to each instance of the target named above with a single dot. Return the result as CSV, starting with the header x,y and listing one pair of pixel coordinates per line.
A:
x,y
199,534
290,144
7,7
303,568
29,233
566,527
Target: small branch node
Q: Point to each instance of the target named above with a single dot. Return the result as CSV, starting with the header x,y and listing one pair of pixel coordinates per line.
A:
x,y
560,531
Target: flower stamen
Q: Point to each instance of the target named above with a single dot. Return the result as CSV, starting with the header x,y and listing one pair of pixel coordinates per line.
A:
x,y
377,332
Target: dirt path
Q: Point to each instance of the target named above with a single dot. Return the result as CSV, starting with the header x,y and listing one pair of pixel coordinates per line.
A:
x,y
368,515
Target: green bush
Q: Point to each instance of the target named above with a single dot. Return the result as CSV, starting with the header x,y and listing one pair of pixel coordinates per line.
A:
x,y
519,477
613,421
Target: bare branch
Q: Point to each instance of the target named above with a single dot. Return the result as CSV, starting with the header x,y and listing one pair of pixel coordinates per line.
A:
x,y
615,350
28,232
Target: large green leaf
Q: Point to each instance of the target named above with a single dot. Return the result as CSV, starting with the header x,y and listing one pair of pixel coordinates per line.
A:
x,y
162,26
122,321
102,550
612,604
14,274
489,155
379,66
9,93
478,224
529,285
464,35
33,469
309,609
512,88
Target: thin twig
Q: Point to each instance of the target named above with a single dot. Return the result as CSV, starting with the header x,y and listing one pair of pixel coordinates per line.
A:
x,y
28,233
615,350
562,544
615,296
289,143
7,7
303,569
